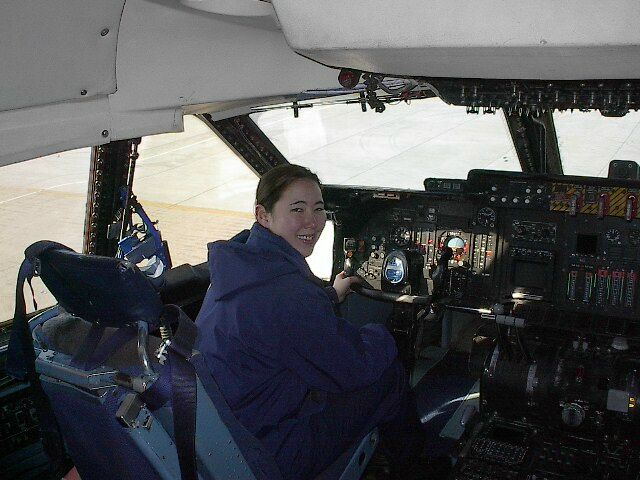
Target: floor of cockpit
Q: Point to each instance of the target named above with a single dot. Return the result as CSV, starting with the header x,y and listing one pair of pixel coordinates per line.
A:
x,y
442,386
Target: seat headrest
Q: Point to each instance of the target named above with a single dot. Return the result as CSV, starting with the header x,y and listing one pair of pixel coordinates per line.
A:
x,y
104,290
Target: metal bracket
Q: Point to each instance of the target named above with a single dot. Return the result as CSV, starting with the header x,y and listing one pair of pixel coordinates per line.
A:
x,y
129,410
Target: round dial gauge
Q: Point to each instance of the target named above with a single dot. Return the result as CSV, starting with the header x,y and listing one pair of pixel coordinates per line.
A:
x,y
457,244
401,236
486,217
613,235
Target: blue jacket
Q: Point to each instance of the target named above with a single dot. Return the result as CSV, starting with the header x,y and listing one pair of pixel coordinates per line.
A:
x,y
270,337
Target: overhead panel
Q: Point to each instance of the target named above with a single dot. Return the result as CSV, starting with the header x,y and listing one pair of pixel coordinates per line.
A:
x,y
537,39
33,132
54,51
239,8
58,85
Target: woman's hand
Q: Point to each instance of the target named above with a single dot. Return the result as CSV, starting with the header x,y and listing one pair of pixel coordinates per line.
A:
x,y
342,284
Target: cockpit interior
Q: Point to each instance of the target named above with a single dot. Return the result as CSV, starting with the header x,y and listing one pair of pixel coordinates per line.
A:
x,y
511,291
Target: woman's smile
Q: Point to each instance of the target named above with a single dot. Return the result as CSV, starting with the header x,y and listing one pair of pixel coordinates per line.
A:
x,y
298,216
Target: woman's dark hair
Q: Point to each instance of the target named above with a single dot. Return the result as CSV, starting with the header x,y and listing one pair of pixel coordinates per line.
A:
x,y
276,180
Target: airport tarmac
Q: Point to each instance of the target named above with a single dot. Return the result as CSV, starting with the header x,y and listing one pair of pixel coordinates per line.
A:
x,y
200,191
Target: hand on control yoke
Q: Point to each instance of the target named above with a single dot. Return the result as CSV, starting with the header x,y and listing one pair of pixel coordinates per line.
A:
x,y
342,284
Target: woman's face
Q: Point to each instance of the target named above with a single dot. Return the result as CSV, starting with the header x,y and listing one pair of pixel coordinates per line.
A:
x,y
298,216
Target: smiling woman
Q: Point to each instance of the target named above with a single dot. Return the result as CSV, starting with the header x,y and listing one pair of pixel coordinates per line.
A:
x,y
266,320
298,214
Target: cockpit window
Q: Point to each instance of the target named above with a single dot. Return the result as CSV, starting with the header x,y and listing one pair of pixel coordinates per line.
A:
x,y
588,141
43,198
398,148
197,188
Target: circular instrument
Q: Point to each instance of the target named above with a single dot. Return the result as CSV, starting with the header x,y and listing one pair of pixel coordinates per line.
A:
x,y
486,217
613,235
401,236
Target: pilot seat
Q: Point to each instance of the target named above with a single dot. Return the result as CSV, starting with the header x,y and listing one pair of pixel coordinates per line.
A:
x,y
128,403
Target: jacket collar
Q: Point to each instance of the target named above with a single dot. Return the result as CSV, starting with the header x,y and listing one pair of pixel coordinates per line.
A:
x,y
262,238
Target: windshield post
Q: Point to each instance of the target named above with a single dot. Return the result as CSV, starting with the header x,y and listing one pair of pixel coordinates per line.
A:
x,y
535,141
110,170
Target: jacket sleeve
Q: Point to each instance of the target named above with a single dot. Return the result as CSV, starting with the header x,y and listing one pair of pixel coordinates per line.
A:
x,y
328,352
332,294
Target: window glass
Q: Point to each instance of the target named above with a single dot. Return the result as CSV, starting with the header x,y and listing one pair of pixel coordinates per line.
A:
x,y
40,199
191,182
321,260
398,148
588,141
201,191
196,187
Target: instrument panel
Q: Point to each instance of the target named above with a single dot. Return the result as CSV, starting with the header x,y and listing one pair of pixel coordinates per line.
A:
x,y
569,242
556,261
424,231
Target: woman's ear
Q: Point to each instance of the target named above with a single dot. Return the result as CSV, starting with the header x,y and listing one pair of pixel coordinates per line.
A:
x,y
262,216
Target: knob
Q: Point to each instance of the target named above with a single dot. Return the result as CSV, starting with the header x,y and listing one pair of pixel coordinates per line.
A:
x,y
497,308
620,343
348,268
573,414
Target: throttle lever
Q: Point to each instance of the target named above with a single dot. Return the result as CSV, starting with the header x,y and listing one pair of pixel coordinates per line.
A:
x,y
440,273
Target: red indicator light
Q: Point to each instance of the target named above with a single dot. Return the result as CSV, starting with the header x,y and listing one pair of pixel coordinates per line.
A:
x,y
348,78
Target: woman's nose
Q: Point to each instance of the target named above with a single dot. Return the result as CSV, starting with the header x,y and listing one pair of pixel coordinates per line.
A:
x,y
310,220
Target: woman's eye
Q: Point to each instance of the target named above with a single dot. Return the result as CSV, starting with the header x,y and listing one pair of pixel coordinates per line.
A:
x,y
297,210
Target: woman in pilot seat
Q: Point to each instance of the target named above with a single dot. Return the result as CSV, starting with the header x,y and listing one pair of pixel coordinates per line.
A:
x,y
305,382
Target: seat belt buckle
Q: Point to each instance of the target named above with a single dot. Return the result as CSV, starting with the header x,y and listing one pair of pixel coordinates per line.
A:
x,y
129,411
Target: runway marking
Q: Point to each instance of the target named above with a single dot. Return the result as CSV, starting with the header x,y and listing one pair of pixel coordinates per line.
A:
x,y
38,191
144,158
